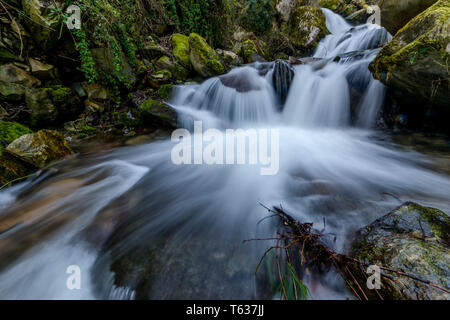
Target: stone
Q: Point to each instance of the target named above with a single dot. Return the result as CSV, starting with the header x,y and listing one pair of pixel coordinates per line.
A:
x,y
180,45
159,114
306,28
40,148
42,70
43,24
416,60
13,74
203,58
413,239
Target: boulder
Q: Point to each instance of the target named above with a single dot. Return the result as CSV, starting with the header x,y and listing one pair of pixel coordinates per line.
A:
x,y
50,104
105,61
11,91
158,114
415,62
40,148
42,70
180,49
95,91
43,23
203,58
12,74
306,28
396,13
412,239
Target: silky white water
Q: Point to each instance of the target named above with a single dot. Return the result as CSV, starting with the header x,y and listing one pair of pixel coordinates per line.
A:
x,y
131,214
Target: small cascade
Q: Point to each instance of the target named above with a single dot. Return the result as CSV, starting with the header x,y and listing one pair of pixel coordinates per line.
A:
x,y
241,96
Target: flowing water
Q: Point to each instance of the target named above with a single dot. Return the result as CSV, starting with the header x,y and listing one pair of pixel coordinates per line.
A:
x,y
139,226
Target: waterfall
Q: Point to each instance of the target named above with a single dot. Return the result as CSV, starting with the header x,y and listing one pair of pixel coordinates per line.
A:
x,y
140,226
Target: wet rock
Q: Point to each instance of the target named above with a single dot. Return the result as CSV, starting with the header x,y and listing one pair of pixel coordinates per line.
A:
x,y
160,78
40,148
203,58
42,70
412,239
11,169
180,45
415,62
158,114
306,28
165,91
10,73
283,75
43,24
239,82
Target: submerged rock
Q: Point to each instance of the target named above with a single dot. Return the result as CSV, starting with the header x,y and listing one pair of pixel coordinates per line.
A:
x,y
412,239
40,148
415,62
203,58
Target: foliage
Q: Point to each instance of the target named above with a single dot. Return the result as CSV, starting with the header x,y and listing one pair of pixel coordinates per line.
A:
x,y
258,15
205,17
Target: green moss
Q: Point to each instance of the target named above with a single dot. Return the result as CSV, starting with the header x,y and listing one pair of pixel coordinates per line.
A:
x,y
203,58
165,91
248,50
180,45
306,28
10,131
416,60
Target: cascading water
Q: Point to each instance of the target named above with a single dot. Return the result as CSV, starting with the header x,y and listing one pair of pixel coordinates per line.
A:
x,y
139,226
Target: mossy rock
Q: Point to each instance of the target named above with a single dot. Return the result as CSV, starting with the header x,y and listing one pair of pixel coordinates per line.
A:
x,y
249,50
165,91
306,28
158,114
413,239
42,70
50,104
178,71
10,131
203,58
11,169
416,60
395,14
12,74
180,45
40,148
42,23
12,91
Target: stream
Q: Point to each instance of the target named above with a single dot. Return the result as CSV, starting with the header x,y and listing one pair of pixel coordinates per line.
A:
x,y
140,227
